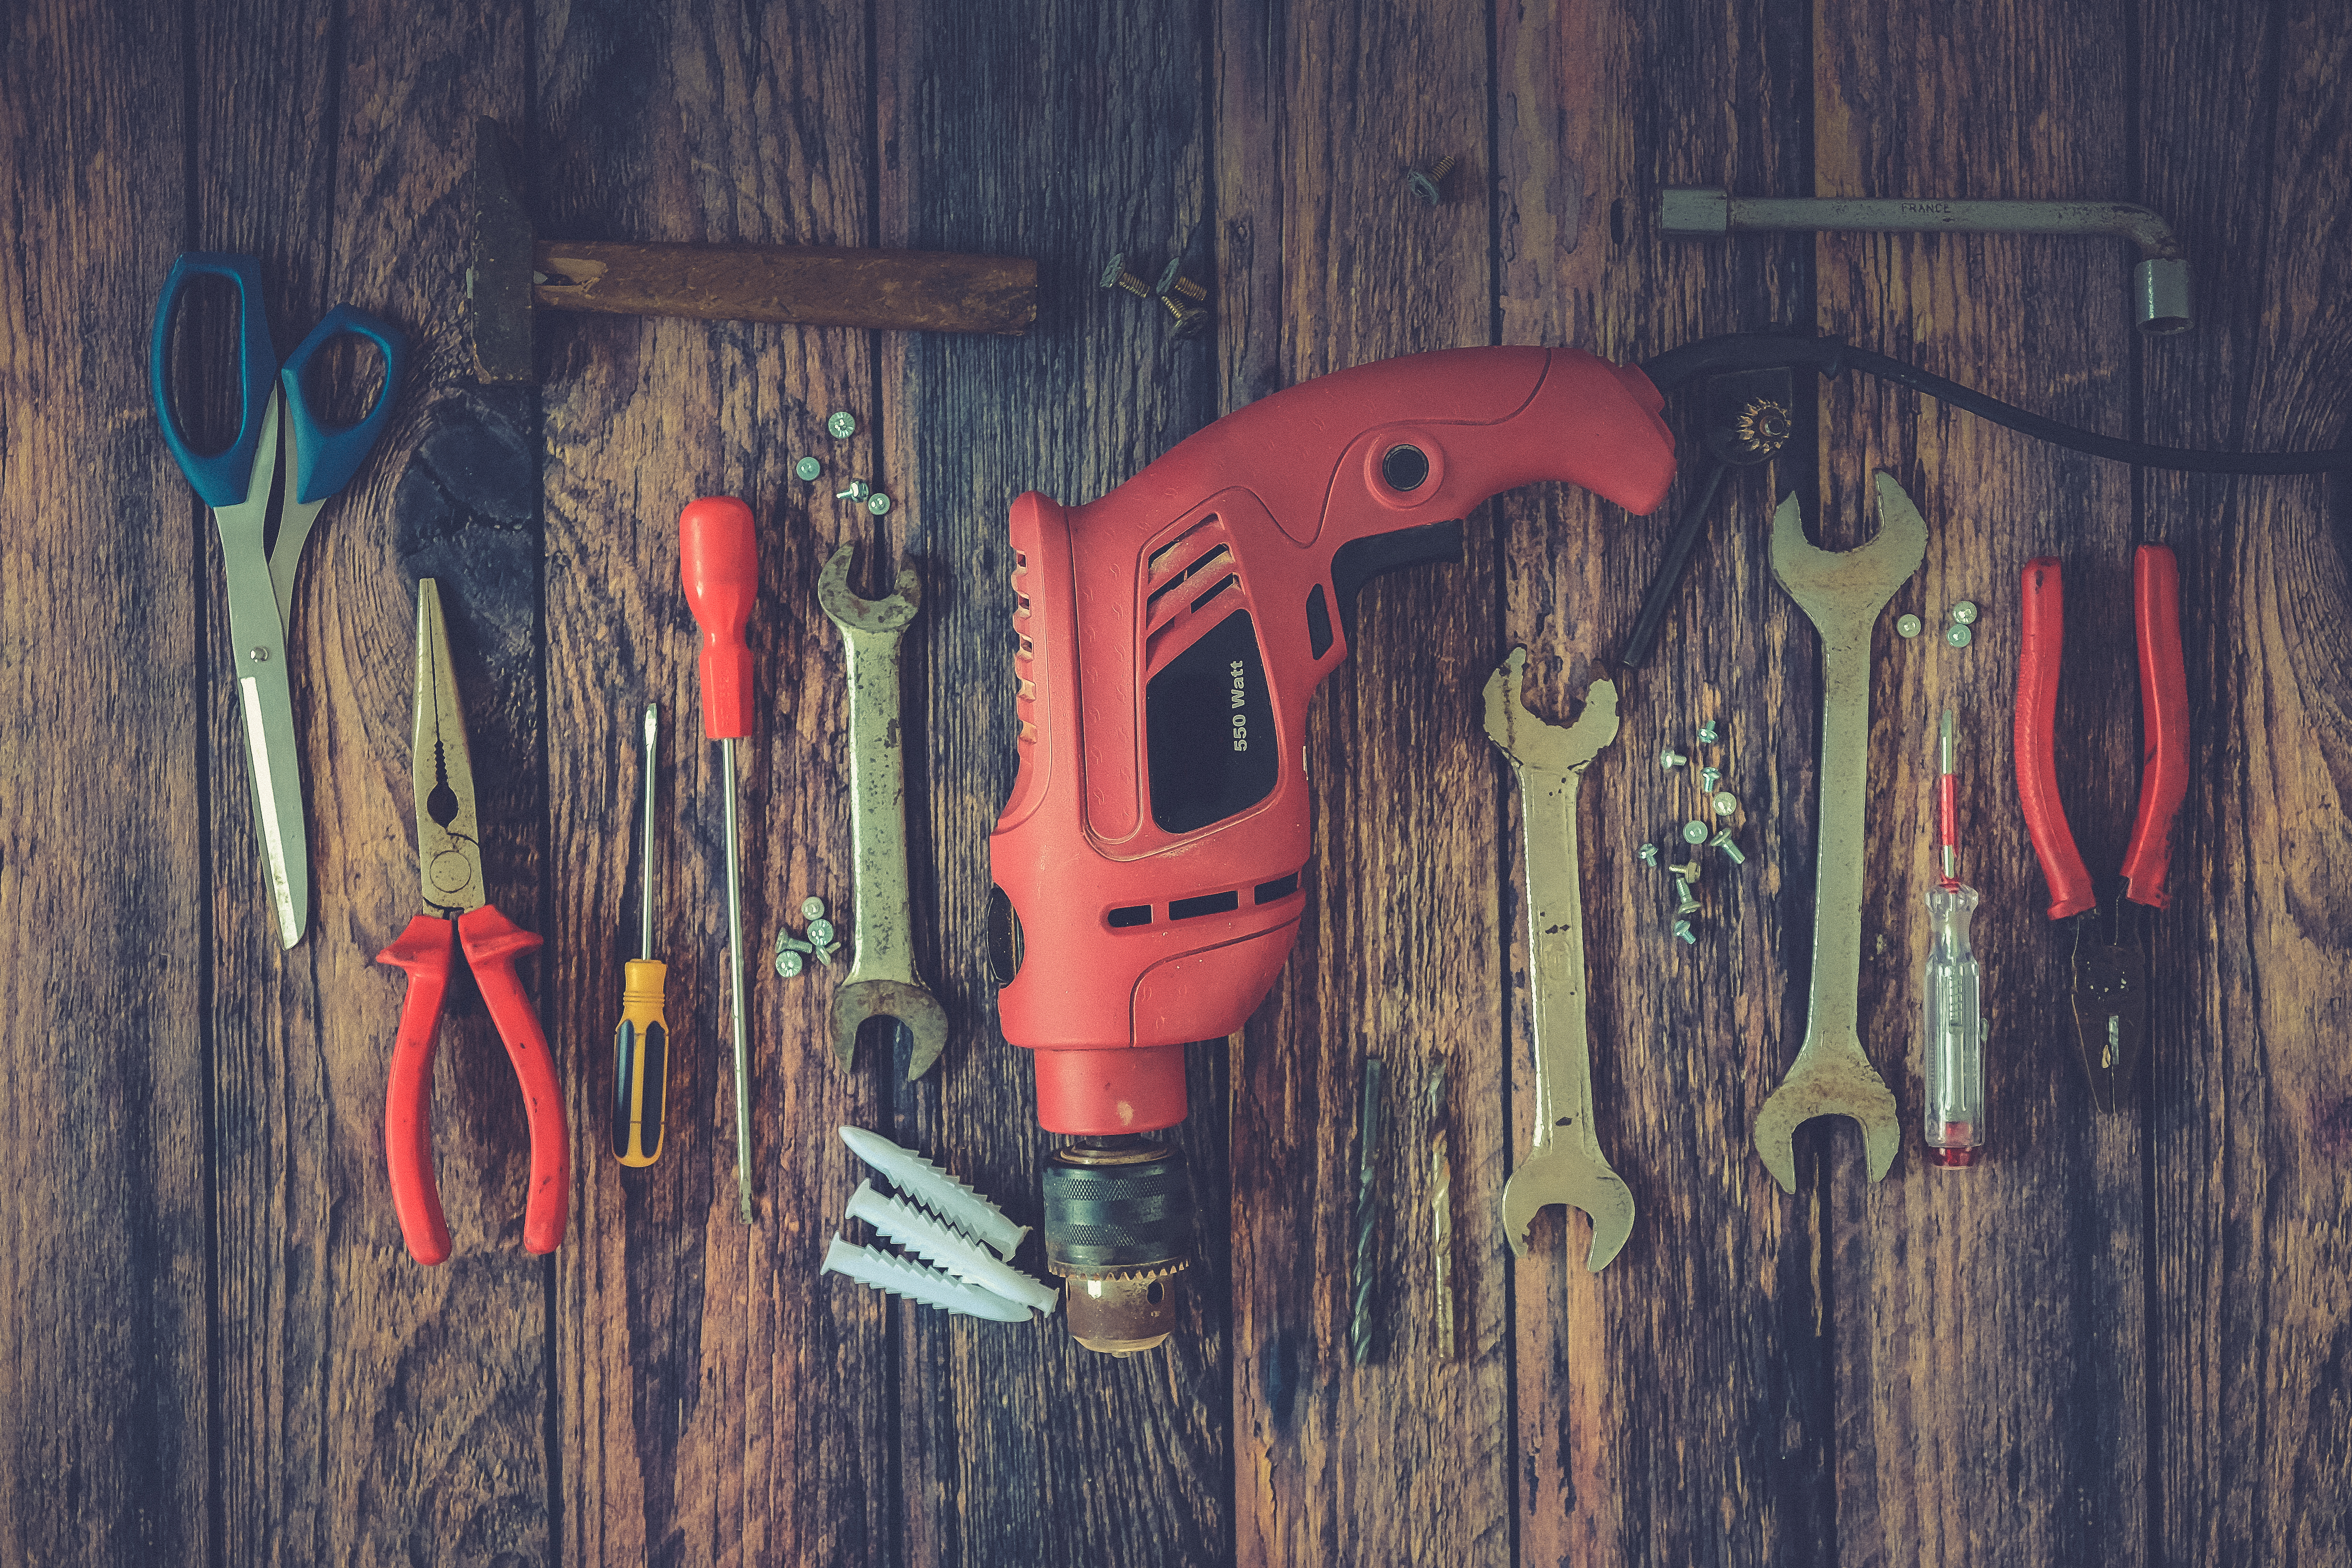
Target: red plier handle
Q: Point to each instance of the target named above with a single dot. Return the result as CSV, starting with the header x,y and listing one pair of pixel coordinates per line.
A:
x,y
426,951
2164,723
2041,638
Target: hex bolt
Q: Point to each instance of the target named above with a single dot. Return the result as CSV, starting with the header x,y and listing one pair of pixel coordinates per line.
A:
x,y
807,469
1725,803
1115,275
1427,186
1909,627
1694,832
878,504
812,908
1965,612
1710,775
1649,854
859,490
841,424
1707,733
1189,318
1682,930
1670,759
1732,852
1958,636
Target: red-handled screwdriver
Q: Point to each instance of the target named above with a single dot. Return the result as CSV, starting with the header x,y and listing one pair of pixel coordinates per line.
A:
x,y
1955,1110
718,559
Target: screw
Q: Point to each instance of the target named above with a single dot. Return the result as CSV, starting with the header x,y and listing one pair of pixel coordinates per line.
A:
x,y
1189,318
1682,930
1709,775
1649,854
859,490
841,424
1694,832
1175,279
1909,627
1689,905
1732,852
789,964
1689,871
812,908
1707,733
1958,636
1725,803
824,951
1425,186
1965,612
260,656
808,469
1115,275
878,503
1761,428
1670,759
820,933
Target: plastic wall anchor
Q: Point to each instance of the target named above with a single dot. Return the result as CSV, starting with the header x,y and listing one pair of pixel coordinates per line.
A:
x,y
937,1191
917,1283
940,1243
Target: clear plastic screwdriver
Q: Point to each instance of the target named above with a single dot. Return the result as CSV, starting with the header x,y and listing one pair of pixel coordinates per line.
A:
x,y
1955,1096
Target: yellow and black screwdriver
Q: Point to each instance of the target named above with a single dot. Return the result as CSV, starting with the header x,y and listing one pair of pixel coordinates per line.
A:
x,y
641,1044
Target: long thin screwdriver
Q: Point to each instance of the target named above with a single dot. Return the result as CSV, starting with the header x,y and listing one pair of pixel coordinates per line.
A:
x,y
1955,1108
718,559
641,1042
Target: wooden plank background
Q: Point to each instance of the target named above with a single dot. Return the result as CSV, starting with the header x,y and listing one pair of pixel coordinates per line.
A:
x,y
2126,1338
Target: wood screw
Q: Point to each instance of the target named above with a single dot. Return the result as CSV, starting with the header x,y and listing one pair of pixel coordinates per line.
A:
x,y
1710,775
1189,318
1707,733
1173,277
1649,854
1730,851
1115,275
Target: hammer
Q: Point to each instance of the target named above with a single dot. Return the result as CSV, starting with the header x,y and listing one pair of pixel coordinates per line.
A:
x,y
816,285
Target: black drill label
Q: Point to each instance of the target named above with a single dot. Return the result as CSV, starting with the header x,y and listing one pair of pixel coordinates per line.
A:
x,y
1209,729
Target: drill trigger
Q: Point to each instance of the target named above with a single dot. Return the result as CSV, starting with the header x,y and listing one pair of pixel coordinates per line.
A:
x,y
1359,561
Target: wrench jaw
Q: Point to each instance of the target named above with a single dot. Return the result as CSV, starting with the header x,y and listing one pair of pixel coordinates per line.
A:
x,y
908,1003
1836,1081
1530,742
850,613
1560,1176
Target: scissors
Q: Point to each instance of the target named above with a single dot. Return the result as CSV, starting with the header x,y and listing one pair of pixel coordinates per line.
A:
x,y
235,483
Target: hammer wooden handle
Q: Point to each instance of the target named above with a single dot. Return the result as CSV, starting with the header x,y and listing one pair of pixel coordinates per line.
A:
x,y
815,285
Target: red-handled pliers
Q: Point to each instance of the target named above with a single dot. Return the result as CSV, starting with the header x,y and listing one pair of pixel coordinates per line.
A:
x,y
2110,976
458,913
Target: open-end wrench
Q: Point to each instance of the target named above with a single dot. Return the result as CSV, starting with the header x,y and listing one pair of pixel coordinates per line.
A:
x,y
1842,595
882,982
1564,1164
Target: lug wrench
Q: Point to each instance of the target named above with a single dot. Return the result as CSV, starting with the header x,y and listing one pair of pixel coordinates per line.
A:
x,y
1842,595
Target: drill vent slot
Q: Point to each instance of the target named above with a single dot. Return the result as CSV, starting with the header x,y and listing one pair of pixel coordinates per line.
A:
x,y
1133,915
1207,904
1159,557
1280,887
1151,604
1230,582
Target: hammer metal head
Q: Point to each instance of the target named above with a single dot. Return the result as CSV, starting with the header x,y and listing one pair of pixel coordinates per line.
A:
x,y
497,273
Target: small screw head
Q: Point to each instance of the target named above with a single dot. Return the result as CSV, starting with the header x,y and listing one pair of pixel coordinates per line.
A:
x,y
820,933
824,951
1732,852
841,424
1687,905
859,490
1725,803
1649,854
1191,320
807,469
260,656
1958,636
1965,612
1709,735
1907,626
1174,269
878,503
789,964
1682,930
812,908
1670,759
1694,832
1710,775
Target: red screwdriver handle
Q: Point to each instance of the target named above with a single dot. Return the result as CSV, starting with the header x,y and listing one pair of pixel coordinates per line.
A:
x,y
717,557
426,950
2164,720
492,943
2042,637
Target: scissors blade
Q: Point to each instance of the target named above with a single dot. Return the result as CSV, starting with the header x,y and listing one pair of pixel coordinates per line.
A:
x,y
265,693
441,770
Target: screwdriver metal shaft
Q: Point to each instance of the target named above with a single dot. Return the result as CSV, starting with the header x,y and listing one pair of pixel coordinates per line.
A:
x,y
641,1042
1954,1044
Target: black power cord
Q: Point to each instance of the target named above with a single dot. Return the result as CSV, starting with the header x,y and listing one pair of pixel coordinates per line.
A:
x,y
1831,356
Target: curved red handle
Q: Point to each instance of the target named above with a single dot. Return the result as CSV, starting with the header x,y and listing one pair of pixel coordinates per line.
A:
x,y
426,950
492,943
2042,638
2164,722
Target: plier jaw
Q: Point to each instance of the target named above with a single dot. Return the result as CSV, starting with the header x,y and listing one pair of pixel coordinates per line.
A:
x,y
2110,1009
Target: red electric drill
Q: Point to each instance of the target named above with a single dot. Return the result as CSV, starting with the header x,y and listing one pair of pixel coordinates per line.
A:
x,y
1147,863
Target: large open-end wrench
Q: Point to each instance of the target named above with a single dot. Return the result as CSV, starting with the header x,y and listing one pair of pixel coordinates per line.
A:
x,y
1842,595
882,982
1564,1164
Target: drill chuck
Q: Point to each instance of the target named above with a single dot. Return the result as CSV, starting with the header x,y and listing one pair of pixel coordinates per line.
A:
x,y
1119,1227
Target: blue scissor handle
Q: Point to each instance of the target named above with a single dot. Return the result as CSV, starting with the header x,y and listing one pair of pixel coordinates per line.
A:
x,y
224,477
326,459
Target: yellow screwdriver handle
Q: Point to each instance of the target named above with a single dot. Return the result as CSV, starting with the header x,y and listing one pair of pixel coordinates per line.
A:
x,y
640,1065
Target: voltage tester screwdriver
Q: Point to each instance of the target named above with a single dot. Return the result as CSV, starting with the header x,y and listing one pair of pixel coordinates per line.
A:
x,y
1955,1109
641,1043
719,564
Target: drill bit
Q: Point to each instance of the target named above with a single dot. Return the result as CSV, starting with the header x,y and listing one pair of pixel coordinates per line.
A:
x,y
1441,1210
1368,1148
